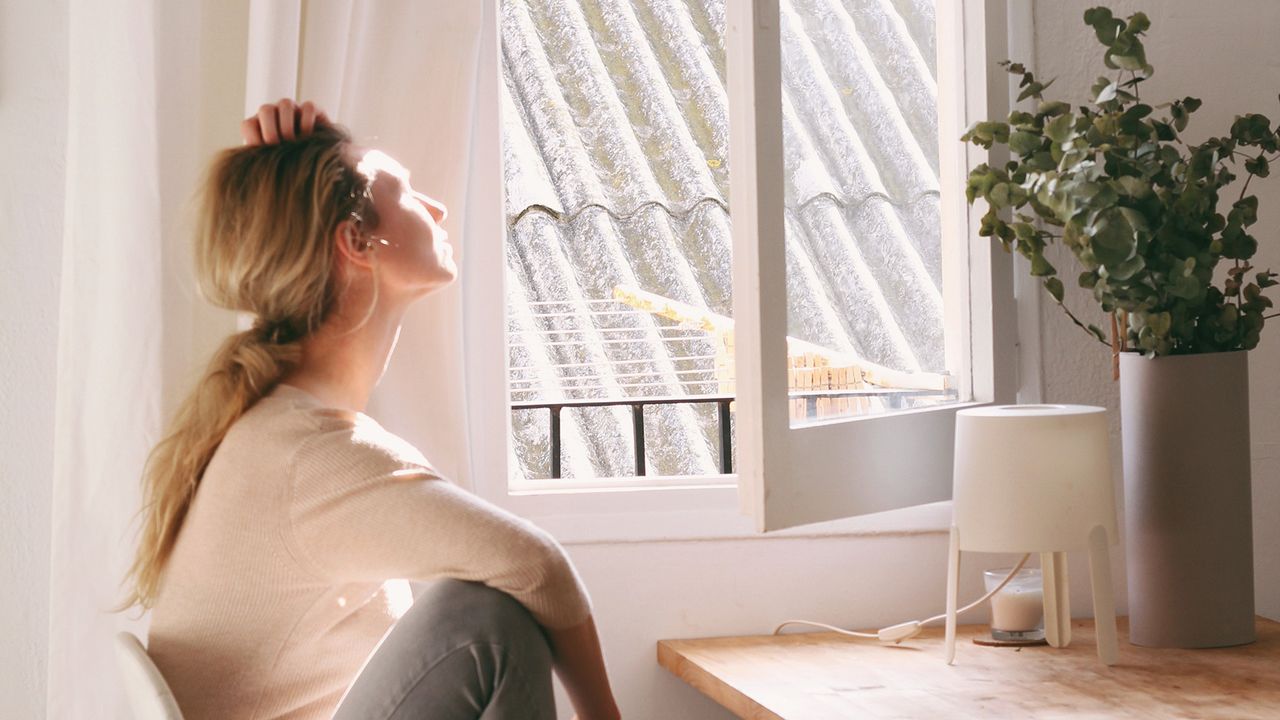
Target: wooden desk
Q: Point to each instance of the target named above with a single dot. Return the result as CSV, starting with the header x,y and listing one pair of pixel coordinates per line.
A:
x,y
825,676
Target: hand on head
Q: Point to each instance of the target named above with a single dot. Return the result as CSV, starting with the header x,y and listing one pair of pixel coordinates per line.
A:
x,y
282,121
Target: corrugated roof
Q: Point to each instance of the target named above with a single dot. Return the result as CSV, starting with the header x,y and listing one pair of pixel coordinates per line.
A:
x,y
616,150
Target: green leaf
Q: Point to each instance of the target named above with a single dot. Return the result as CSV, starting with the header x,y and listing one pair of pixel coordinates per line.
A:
x,y
1228,317
1106,94
1258,166
1024,143
981,180
1133,187
1250,129
1131,121
1041,161
1160,323
999,195
1055,288
1268,279
1113,238
1187,287
1034,89
1053,108
1126,269
1097,332
1022,120
1134,60
1040,267
1059,129
1105,26
1246,209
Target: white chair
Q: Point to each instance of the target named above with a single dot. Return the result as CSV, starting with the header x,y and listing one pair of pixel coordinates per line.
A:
x,y
148,693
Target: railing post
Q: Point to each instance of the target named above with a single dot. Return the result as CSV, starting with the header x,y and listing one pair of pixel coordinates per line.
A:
x,y
726,439
555,442
637,424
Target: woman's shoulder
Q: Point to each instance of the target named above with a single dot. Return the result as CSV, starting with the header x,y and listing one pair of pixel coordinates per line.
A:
x,y
341,443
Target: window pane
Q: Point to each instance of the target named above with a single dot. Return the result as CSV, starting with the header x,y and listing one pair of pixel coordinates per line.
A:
x,y
863,233
618,250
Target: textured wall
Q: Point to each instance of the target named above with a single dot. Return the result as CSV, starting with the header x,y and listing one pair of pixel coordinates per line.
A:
x,y
33,77
1205,50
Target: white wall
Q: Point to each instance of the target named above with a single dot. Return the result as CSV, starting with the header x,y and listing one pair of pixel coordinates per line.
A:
x,y
33,109
1209,51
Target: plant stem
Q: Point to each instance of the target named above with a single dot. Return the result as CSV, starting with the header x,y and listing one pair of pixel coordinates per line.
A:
x,y
1115,349
1079,324
1247,180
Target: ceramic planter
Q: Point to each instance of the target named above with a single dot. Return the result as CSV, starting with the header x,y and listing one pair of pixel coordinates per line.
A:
x,y
1188,506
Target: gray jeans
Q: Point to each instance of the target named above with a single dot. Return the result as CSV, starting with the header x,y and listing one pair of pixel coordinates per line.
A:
x,y
462,651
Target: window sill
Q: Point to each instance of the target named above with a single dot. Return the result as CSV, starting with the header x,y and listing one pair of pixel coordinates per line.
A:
x,y
712,515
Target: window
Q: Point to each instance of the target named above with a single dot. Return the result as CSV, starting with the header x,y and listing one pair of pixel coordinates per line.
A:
x,y
615,140
617,119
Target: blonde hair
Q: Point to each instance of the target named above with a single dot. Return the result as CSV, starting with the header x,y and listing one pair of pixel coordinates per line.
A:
x,y
264,244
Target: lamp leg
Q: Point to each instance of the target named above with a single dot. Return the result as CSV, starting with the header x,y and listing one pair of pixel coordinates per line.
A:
x,y
1057,603
1104,605
953,591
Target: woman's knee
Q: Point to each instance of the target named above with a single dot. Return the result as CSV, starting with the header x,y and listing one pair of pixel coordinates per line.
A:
x,y
475,613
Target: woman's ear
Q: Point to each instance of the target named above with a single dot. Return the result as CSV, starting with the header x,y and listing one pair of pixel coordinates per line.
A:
x,y
353,247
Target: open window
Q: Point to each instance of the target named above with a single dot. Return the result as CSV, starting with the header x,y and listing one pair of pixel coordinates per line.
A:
x,y
735,233
859,420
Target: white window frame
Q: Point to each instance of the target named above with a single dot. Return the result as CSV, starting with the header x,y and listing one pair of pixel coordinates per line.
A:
x,y
649,508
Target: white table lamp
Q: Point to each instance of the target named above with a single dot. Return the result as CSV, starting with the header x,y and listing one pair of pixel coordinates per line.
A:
x,y
1037,478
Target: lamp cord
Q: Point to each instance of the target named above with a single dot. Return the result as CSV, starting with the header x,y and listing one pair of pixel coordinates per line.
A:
x,y
902,631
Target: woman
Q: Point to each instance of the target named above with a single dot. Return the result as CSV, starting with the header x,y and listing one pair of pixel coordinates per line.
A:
x,y
278,514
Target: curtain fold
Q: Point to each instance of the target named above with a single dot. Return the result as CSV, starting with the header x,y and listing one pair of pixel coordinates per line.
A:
x,y
109,358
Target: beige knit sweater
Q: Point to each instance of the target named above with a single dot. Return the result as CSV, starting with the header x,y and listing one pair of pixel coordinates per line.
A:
x,y
292,562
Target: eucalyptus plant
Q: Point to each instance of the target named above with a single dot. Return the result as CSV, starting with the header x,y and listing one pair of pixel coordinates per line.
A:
x,y
1137,205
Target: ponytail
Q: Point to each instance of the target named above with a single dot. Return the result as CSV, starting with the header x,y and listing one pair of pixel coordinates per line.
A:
x,y
242,371
265,246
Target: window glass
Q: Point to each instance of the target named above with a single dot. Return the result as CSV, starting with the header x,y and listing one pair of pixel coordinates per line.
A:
x,y
863,233
615,147
618,254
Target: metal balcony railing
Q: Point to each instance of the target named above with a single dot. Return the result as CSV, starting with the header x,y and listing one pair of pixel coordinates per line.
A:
x,y
894,399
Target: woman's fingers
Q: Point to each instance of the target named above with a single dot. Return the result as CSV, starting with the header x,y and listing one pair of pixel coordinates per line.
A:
x,y
267,124
250,131
287,119
307,118
281,122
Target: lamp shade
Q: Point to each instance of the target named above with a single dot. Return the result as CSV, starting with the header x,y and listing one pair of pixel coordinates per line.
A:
x,y
1032,478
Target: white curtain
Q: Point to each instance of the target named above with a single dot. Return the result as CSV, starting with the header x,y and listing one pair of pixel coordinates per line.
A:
x,y
109,359
400,74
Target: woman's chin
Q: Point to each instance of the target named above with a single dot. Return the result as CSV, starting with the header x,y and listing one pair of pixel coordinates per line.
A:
x,y
446,276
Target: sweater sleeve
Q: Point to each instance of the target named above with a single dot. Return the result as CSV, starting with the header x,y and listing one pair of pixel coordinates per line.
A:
x,y
365,506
